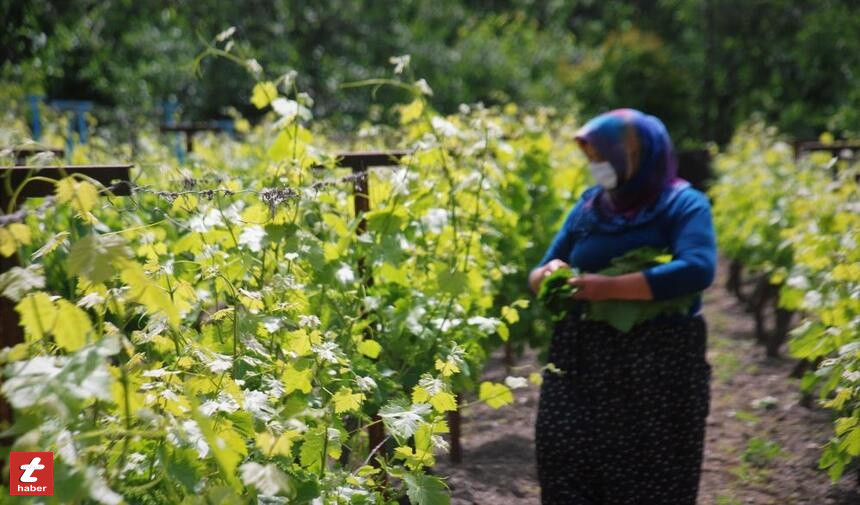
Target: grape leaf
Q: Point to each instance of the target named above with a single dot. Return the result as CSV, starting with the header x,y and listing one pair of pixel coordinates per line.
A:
x,y
426,490
148,293
263,94
80,194
310,454
625,314
411,111
346,401
294,379
38,314
18,281
72,327
13,236
93,256
555,292
268,479
369,348
496,395
443,401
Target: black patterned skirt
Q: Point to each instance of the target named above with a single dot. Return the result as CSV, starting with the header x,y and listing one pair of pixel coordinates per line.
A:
x,y
624,424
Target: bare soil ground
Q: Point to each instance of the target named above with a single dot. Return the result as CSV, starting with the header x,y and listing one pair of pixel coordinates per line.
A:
x,y
754,412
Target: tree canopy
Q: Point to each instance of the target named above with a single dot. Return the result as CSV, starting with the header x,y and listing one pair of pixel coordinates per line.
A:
x,y
702,65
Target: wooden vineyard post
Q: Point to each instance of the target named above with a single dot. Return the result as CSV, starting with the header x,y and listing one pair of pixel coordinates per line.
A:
x,y
22,153
11,332
509,355
842,149
358,163
454,424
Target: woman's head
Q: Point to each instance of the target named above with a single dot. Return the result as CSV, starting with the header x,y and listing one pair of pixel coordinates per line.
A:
x,y
631,156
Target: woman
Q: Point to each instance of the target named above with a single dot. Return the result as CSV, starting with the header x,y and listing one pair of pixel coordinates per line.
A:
x,y
624,421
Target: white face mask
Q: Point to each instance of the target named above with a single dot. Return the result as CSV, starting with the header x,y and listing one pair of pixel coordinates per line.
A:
x,y
603,173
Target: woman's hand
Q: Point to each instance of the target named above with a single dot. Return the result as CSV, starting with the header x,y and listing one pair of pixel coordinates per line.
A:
x,y
552,266
596,287
593,287
537,275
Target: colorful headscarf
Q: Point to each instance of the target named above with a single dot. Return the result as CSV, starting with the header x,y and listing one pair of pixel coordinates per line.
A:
x,y
641,152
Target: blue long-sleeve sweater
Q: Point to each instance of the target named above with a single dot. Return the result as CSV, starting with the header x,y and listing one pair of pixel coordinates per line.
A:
x,y
680,221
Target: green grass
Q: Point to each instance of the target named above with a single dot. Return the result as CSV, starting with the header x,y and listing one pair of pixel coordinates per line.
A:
x,y
747,417
726,365
761,452
727,500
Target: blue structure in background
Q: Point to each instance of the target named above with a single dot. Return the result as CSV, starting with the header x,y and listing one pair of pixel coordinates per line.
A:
x,y
170,108
35,120
227,125
78,123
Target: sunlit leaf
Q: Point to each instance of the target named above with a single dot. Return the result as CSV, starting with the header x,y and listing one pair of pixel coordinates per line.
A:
x,y
38,315
346,401
443,402
263,94
426,490
95,256
72,326
495,395
369,348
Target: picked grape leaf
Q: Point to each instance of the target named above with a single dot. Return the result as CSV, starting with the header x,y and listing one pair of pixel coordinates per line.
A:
x,y
625,314
555,292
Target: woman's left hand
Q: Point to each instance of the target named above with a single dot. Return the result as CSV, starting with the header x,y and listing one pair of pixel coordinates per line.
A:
x,y
593,287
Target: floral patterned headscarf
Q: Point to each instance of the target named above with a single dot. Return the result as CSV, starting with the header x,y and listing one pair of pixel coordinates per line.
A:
x,y
641,152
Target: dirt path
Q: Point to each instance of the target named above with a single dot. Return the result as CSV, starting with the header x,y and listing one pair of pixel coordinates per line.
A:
x,y
754,413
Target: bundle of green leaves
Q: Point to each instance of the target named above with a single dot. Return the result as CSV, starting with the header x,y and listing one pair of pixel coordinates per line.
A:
x,y
625,314
555,293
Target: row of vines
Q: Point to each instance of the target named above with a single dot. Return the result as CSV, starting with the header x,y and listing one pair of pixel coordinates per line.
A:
x,y
230,334
793,224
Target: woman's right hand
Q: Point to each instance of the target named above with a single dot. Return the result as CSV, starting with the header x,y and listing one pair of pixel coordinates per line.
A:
x,y
552,266
538,274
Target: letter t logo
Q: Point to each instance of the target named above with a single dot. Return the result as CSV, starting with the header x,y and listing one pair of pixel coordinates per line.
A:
x,y
31,473
29,468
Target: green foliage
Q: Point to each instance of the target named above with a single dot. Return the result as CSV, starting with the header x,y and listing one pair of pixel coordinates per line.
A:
x,y
793,222
704,67
625,314
635,69
545,177
760,452
555,292
494,58
637,259
141,54
755,460
426,490
789,60
207,337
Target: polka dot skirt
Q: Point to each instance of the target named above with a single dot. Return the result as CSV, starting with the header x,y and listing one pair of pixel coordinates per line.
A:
x,y
625,422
